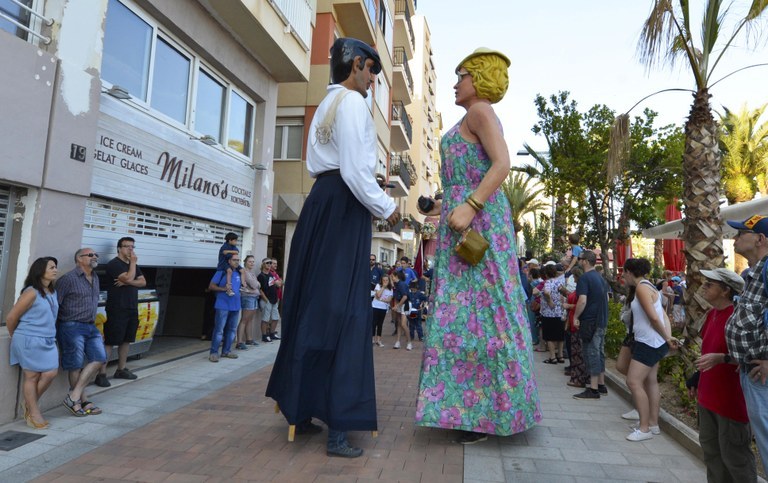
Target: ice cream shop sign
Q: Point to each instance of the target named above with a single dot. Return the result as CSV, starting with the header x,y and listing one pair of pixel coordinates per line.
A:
x,y
170,171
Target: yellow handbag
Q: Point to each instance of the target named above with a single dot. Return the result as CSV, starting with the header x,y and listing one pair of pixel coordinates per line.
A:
x,y
472,246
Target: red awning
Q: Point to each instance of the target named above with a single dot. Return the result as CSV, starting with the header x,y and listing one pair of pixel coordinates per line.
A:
x,y
674,258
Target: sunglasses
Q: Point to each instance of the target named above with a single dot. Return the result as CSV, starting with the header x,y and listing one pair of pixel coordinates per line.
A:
x,y
90,255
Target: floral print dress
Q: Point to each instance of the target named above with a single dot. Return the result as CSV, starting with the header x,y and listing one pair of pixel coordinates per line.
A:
x,y
477,373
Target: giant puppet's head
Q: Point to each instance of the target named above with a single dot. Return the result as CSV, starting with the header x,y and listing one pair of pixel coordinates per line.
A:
x,y
343,53
488,69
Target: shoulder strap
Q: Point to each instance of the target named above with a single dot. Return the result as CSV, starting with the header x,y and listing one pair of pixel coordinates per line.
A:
x,y
324,130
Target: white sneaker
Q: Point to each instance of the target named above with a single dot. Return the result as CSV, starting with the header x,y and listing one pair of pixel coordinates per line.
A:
x,y
380,344
638,435
409,347
652,429
397,345
632,415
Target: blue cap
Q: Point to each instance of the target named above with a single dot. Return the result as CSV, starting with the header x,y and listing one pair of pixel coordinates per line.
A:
x,y
755,224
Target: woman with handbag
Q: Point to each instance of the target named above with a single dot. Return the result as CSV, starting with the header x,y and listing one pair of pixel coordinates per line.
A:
x,y
653,338
477,348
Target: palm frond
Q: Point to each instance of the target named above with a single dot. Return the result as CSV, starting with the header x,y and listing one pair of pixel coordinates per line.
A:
x,y
710,30
756,10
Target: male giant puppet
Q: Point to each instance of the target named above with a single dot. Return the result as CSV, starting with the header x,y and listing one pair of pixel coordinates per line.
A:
x,y
324,368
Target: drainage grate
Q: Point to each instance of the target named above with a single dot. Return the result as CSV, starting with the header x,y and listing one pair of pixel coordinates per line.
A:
x,y
13,439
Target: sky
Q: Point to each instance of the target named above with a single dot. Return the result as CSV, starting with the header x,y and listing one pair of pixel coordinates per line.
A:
x,y
586,47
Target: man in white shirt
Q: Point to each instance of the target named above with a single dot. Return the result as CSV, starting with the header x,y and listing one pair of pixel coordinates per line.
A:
x,y
324,368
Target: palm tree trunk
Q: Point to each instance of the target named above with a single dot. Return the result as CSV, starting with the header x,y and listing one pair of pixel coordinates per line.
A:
x,y
658,253
702,231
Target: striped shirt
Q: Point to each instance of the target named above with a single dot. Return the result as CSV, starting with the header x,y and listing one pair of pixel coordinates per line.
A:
x,y
78,298
745,332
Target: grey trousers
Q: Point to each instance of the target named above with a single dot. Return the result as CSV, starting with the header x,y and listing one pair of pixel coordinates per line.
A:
x,y
727,446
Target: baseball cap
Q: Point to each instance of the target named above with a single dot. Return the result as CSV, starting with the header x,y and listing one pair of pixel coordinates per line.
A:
x,y
676,278
755,224
728,277
533,261
551,262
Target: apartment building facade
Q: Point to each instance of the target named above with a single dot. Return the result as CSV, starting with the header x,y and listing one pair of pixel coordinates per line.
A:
x,y
153,119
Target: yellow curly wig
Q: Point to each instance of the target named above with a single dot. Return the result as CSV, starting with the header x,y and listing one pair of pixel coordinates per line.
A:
x,y
489,76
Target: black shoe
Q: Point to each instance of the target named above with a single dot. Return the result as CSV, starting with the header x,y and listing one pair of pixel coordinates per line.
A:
x,y
265,338
602,389
468,437
344,450
275,336
588,393
124,374
101,380
308,427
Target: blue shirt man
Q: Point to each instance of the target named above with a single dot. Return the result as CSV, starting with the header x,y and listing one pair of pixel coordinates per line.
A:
x,y
410,275
227,311
376,272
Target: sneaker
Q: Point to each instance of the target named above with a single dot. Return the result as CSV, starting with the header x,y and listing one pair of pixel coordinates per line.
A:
x,y
638,435
380,344
652,429
632,415
275,336
101,380
468,437
344,450
213,358
602,389
251,342
241,346
397,345
588,393
265,338
124,374
230,355
575,384
409,347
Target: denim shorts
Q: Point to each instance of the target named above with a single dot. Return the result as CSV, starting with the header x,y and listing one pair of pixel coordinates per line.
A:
x,y
79,342
647,355
594,353
269,312
249,302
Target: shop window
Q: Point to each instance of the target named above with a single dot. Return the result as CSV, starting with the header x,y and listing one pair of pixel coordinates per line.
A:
x,y
289,139
241,125
126,63
210,105
170,81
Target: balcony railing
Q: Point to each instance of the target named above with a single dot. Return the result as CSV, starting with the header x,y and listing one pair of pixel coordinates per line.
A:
x,y
401,165
19,19
399,114
400,59
401,8
296,15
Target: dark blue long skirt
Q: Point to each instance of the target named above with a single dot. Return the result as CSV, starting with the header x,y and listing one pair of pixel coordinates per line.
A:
x,y
324,368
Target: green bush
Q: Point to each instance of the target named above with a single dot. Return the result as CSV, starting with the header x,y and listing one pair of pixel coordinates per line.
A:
x,y
616,330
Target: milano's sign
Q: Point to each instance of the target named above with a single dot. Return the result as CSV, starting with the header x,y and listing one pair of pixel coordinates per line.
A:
x,y
142,160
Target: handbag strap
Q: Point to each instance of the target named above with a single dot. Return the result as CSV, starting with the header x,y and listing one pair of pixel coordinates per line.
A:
x,y
324,130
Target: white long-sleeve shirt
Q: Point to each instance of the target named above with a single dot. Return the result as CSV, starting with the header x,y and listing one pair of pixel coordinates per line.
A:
x,y
352,150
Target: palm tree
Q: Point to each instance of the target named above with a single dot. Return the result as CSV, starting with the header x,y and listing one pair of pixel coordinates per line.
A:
x,y
522,198
667,36
745,153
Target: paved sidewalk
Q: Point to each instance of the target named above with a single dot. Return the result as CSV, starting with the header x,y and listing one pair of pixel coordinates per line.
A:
x,y
192,420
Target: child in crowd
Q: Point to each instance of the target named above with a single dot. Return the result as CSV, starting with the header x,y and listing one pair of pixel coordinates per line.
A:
x,y
401,309
226,251
417,300
576,250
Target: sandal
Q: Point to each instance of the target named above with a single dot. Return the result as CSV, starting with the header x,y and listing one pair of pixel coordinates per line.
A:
x,y
90,408
550,361
560,360
70,404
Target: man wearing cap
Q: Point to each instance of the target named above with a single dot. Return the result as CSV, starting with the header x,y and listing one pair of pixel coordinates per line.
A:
x,y
724,432
745,331
324,367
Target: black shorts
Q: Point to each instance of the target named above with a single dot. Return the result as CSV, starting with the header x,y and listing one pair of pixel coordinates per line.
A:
x,y
647,355
121,326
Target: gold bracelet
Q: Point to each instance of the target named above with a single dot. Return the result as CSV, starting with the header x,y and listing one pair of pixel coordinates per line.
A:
x,y
474,203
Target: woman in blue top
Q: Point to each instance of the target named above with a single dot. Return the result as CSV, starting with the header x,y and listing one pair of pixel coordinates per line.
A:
x,y
32,327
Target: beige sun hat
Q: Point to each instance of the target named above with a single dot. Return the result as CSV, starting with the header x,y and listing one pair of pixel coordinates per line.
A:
x,y
484,51
728,277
